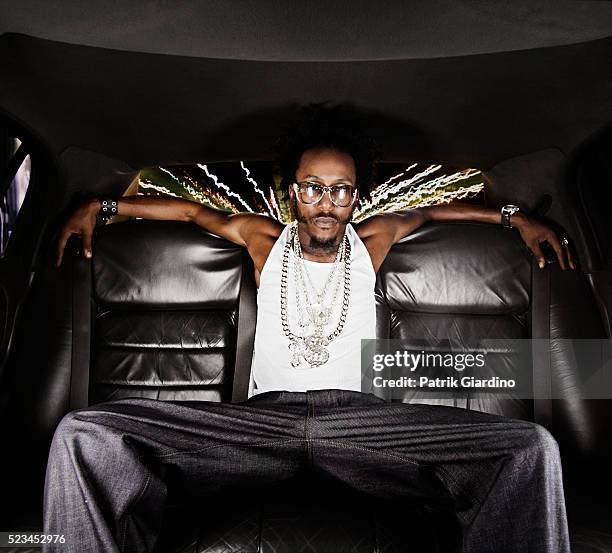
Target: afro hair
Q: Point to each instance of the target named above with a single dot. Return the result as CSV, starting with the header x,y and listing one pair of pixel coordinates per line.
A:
x,y
339,127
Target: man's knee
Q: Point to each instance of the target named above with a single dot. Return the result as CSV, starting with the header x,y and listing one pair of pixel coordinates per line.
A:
x,y
540,441
67,427
81,425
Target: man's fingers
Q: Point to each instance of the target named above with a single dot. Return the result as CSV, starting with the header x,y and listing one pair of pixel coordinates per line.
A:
x,y
87,244
61,246
63,240
556,245
537,251
570,258
568,252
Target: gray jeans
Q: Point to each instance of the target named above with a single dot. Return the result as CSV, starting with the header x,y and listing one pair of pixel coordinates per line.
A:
x,y
105,491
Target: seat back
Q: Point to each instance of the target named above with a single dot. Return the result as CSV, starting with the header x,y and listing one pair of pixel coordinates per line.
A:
x,y
456,282
166,297
462,282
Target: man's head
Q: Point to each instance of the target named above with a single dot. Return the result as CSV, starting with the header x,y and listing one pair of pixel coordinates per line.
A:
x,y
326,152
323,218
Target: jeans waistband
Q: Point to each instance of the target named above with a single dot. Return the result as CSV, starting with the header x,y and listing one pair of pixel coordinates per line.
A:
x,y
319,398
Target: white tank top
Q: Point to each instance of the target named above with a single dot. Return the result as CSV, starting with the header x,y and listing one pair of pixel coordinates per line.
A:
x,y
271,367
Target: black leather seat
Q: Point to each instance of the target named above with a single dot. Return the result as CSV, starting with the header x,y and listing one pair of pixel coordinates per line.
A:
x,y
164,299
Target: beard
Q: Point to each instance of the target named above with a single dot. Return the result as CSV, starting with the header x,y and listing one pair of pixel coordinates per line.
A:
x,y
328,245
323,246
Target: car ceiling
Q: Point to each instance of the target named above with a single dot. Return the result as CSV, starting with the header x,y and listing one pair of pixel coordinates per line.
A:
x,y
465,82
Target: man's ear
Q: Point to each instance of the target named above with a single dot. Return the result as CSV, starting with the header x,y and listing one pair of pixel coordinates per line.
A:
x,y
292,202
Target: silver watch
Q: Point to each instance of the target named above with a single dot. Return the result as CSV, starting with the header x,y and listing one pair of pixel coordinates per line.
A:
x,y
506,212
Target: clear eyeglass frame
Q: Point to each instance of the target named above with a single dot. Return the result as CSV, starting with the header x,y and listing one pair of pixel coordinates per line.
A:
x,y
331,190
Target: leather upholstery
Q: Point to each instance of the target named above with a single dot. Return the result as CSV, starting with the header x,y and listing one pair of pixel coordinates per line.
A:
x,y
458,268
141,265
437,285
328,517
166,317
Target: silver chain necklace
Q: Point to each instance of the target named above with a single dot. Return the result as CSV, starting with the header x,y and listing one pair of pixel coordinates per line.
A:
x,y
316,313
312,348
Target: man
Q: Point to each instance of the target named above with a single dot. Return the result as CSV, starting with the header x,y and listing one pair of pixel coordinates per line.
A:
x,y
106,477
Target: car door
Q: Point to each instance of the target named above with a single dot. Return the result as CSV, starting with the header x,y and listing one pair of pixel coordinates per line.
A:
x,y
23,168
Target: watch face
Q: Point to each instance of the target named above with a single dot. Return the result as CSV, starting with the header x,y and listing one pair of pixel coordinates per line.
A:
x,y
507,211
510,209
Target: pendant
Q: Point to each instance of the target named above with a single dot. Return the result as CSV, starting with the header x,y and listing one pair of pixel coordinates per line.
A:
x,y
316,353
311,349
297,352
319,315
316,358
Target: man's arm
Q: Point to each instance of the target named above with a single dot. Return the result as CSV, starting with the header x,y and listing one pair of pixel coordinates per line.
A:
x,y
388,228
235,227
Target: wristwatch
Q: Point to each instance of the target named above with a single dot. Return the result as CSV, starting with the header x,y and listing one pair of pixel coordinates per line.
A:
x,y
506,212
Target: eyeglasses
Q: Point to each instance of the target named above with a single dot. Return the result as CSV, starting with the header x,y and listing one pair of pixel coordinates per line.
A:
x,y
311,193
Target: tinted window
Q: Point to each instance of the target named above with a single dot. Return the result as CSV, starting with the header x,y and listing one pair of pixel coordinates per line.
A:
x,y
16,173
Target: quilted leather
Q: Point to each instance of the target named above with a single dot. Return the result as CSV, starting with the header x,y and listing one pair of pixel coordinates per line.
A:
x,y
167,305
311,516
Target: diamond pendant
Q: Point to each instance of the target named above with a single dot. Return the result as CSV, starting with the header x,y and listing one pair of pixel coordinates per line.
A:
x,y
297,351
319,315
316,353
311,349
316,358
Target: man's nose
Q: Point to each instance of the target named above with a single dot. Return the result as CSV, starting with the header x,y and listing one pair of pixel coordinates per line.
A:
x,y
325,201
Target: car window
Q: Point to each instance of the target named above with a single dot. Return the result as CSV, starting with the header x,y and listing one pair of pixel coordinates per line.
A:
x,y
256,187
15,170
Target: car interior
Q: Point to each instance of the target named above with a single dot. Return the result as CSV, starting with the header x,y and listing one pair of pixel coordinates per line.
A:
x,y
92,100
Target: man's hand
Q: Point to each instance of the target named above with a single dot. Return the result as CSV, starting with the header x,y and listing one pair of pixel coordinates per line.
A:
x,y
534,233
81,222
